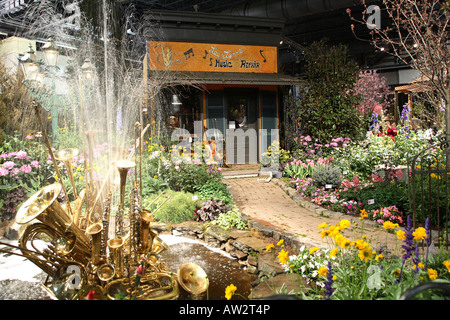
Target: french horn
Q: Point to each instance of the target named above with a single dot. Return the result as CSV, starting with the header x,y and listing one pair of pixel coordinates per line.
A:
x,y
54,240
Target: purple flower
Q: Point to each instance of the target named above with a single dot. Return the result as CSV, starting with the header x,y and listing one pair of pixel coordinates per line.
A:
x,y
329,283
408,243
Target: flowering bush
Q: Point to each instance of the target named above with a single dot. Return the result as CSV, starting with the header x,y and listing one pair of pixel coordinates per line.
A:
x,y
306,147
387,214
358,269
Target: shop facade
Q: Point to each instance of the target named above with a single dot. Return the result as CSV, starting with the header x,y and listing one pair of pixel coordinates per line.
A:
x,y
228,93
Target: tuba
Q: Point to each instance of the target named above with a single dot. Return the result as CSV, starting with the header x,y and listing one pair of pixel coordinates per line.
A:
x,y
64,238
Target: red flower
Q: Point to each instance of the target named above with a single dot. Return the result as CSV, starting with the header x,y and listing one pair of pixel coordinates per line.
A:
x,y
90,295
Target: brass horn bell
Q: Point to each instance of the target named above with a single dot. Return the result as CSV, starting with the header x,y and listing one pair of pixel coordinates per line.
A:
x,y
192,278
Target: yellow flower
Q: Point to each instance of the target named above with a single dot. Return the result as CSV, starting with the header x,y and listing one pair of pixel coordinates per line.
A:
x,y
269,247
389,225
446,263
345,243
334,252
401,235
323,271
421,265
156,177
334,277
323,225
364,214
279,243
378,257
365,253
344,224
229,291
432,274
312,250
283,256
420,233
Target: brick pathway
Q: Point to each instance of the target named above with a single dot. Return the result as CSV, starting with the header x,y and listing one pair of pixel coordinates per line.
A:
x,y
269,204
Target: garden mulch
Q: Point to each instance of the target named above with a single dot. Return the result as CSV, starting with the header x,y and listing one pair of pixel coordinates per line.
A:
x,y
275,205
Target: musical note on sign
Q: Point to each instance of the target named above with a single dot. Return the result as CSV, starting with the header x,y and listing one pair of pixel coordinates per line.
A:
x,y
188,53
261,53
206,53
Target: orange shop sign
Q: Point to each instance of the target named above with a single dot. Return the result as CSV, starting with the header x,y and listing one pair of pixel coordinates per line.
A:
x,y
186,56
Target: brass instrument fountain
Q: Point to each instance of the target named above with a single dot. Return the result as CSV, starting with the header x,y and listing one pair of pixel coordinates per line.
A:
x,y
123,262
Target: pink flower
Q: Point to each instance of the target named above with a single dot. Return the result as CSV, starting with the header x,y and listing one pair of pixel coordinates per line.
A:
x,y
3,155
29,136
8,165
26,168
3,172
14,172
21,154
35,164
140,270
308,138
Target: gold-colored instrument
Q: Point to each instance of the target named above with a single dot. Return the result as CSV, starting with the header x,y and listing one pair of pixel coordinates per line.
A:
x,y
115,246
123,166
95,230
66,155
74,247
192,278
67,239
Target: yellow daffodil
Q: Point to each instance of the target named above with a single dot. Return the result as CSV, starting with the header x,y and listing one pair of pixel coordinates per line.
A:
x,y
312,250
270,247
279,243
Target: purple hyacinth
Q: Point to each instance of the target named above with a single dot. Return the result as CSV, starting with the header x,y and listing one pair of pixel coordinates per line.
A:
x,y
416,259
328,289
428,240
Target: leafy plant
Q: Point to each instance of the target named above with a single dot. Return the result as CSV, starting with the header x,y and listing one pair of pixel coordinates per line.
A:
x,y
214,190
211,210
327,175
180,207
230,219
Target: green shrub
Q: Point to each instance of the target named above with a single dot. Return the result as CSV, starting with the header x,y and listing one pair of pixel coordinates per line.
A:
x,y
230,219
327,175
180,207
214,190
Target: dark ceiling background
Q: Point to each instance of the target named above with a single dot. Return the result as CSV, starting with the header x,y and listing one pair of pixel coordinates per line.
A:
x,y
305,21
